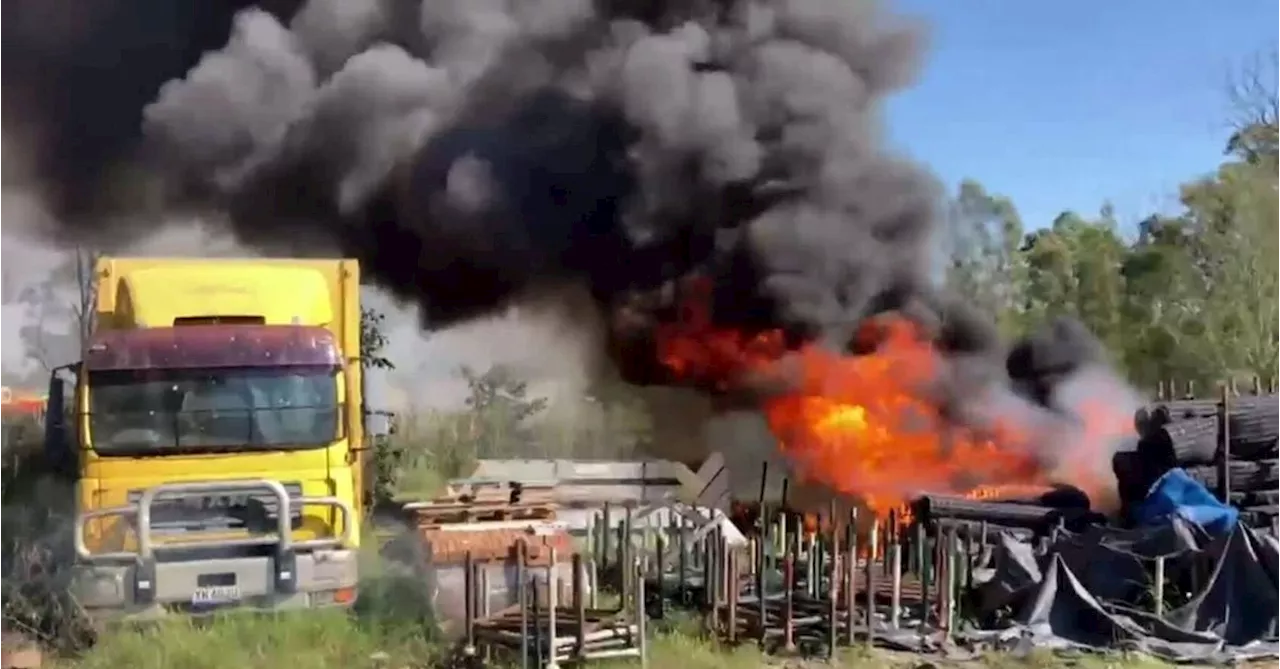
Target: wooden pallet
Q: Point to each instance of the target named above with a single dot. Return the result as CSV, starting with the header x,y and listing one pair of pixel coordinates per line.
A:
x,y
478,503
486,491
437,516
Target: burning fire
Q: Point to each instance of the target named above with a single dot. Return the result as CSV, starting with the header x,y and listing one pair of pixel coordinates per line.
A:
x,y
859,424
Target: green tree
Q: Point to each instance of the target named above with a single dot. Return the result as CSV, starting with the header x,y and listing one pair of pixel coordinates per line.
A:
x,y
1254,102
1163,294
1074,269
499,411
1232,216
983,232
387,454
373,340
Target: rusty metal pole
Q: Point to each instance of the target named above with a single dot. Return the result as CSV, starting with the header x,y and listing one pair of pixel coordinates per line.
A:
x,y
762,593
734,593
593,537
870,575
553,603
485,605
1159,587
537,620
593,581
949,548
1224,445
923,566
886,537
895,584
811,571
628,536
708,576
642,638
580,610
1274,628
851,570
523,596
469,604
711,580
661,558
833,583
682,562
944,583
782,534
606,533
788,601
937,568
722,566
968,550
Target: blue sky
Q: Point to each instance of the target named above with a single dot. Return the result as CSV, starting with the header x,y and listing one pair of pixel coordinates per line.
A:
x,y
1064,104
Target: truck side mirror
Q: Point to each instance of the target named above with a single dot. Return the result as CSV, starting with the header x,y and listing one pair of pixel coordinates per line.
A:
x,y
59,434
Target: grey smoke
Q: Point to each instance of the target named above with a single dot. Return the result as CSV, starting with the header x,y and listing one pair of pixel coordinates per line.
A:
x,y
235,102
732,94
475,153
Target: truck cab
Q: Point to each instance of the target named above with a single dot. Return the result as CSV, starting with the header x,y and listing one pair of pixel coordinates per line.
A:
x,y
215,432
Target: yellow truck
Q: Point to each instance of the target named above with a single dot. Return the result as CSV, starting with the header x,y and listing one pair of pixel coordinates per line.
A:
x,y
215,429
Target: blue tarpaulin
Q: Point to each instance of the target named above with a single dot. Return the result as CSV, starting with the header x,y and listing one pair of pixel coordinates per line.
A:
x,y
1177,494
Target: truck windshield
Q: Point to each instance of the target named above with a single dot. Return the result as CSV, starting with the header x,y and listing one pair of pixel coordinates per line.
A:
x,y
155,411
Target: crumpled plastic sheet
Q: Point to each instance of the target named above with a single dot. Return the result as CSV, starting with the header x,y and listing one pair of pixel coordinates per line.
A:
x,y
1086,592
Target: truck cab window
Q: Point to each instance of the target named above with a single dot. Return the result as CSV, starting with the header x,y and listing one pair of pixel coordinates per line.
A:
x,y
217,410
222,409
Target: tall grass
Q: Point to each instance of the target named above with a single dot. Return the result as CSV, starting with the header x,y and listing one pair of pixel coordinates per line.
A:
x,y
35,542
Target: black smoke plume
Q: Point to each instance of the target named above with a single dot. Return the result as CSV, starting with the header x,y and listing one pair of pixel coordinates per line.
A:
x,y
503,147
473,153
77,75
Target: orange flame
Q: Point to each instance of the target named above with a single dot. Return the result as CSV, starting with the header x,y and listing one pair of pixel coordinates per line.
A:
x,y
859,423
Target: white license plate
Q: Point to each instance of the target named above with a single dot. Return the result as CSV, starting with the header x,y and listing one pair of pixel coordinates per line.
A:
x,y
215,594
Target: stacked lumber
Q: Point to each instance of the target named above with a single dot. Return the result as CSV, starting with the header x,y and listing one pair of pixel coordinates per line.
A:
x,y
1228,444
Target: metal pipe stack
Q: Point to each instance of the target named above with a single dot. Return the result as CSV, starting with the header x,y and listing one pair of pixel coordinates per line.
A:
x,y
1229,444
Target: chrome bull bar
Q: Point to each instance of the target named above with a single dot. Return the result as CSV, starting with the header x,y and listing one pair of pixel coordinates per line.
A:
x,y
140,513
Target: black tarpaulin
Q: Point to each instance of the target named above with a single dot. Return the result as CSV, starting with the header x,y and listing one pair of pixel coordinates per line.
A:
x,y
1087,590
1062,609
1239,602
